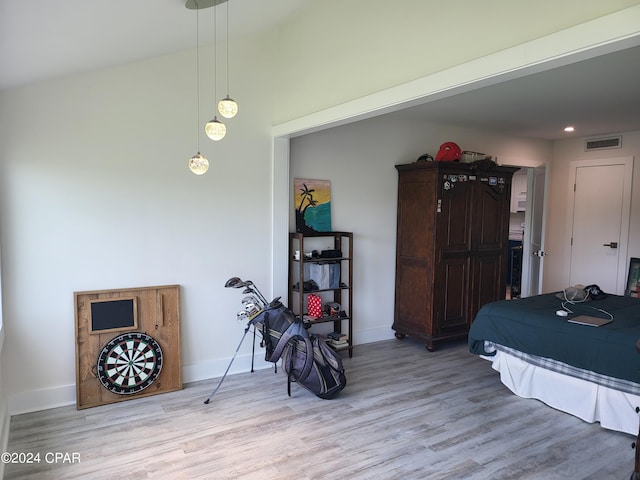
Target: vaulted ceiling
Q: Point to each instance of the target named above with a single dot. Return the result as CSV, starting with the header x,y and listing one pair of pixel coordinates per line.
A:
x,y
45,40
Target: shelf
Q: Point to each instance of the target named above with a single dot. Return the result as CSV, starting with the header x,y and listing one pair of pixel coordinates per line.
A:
x,y
340,349
348,346
341,242
297,290
332,318
322,234
320,259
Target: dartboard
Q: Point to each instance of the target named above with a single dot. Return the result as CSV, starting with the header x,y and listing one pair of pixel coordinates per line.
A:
x,y
129,363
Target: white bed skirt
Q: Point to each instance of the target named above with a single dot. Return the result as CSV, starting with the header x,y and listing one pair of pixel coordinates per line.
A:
x,y
590,402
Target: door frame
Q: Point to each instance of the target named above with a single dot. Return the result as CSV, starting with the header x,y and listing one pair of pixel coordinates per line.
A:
x,y
623,247
526,289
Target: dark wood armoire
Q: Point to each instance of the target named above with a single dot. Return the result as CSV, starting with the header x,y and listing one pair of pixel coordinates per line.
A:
x,y
451,246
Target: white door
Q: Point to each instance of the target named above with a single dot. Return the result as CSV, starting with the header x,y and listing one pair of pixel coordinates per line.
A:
x,y
534,220
600,223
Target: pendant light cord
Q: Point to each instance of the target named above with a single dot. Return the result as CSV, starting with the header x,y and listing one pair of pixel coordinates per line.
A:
x,y
198,74
227,33
215,56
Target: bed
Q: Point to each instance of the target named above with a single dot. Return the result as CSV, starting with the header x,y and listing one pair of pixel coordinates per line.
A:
x,y
587,371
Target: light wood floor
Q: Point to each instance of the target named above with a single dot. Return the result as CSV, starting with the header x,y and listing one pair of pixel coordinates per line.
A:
x,y
405,413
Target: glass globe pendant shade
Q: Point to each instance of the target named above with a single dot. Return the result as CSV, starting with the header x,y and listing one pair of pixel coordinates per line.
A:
x,y
199,164
215,129
228,107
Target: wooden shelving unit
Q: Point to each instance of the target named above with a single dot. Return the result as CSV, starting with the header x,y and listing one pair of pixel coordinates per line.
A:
x,y
339,292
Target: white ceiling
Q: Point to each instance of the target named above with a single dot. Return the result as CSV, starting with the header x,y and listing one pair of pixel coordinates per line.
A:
x,y
44,39
598,96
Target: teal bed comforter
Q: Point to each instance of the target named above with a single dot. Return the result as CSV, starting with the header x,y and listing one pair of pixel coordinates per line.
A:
x,y
531,325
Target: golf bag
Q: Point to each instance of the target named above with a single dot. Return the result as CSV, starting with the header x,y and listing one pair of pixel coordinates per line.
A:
x,y
306,358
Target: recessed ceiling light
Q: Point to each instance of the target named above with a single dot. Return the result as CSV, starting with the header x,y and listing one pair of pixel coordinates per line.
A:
x,y
569,129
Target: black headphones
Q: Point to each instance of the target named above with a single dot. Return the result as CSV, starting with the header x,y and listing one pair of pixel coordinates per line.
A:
x,y
425,158
595,292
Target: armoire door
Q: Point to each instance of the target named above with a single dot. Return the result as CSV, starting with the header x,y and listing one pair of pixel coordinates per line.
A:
x,y
414,252
453,261
489,244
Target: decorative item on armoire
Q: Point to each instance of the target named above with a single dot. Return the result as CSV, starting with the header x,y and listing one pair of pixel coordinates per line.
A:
x,y
312,200
449,152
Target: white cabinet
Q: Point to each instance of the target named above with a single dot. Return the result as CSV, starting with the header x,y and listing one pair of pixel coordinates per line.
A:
x,y
519,191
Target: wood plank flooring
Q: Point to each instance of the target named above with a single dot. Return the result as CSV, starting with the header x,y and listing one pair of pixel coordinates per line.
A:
x,y
406,413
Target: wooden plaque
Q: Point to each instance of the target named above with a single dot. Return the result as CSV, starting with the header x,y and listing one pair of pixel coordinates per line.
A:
x,y
102,315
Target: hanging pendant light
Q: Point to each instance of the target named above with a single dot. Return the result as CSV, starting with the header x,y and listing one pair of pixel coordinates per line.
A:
x,y
215,129
227,107
198,164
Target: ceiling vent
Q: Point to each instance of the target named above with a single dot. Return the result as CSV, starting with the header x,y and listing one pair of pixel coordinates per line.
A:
x,y
603,143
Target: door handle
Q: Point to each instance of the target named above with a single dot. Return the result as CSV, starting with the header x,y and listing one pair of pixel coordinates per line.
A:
x,y
611,245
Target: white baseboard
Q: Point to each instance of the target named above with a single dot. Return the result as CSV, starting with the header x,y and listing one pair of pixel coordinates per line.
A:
x,y
64,395
373,335
216,368
36,400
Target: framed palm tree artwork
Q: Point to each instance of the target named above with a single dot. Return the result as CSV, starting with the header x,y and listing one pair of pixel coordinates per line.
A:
x,y
312,200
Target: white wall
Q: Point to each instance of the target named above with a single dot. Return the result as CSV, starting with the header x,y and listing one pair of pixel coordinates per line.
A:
x,y
94,190
95,193
359,161
556,266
